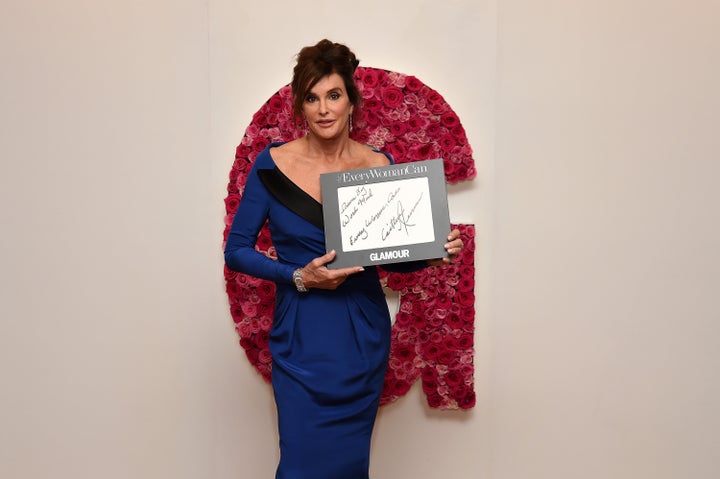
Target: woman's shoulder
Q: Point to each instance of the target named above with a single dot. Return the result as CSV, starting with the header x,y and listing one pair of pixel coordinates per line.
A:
x,y
373,157
268,155
284,152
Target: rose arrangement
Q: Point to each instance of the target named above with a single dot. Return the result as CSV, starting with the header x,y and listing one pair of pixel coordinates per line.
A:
x,y
432,337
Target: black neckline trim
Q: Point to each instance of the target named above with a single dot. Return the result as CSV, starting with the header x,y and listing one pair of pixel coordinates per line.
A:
x,y
292,196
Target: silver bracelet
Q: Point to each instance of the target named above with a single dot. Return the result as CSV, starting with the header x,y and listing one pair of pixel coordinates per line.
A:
x,y
297,279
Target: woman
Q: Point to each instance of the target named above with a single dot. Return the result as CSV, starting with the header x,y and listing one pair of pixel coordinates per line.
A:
x,y
330,337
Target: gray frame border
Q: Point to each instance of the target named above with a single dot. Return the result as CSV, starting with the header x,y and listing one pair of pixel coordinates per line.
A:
x,y
433,170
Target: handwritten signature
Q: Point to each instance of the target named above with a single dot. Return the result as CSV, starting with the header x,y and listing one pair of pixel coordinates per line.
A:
x,y
400,221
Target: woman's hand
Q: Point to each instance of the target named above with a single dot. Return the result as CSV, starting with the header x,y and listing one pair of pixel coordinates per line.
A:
x,y
453,247
316,275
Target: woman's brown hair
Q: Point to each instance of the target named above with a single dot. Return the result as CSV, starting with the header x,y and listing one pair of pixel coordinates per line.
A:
x,y
318,61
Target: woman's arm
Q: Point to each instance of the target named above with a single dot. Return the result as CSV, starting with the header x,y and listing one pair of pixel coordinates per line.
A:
x,y
251,214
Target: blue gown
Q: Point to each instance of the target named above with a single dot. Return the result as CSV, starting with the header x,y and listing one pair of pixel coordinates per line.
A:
x,y
329,348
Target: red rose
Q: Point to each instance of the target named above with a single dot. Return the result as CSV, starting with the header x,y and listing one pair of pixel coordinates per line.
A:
x,y
392,96
275,103
372,119
236,312
436,103
370,78
449,167
464,341
447,142
402,317
433,130
466,284
266,290
260,119
445,356
413,84
397,128
241,152
414,123
250,350
453,379
396,282
467,400
449,119
259,144
454,321
232,288
421,152
465,298
404,352
397,150
434,400
231,202
431,351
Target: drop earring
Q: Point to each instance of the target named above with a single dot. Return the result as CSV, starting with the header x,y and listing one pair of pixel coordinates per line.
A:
x,y
350,121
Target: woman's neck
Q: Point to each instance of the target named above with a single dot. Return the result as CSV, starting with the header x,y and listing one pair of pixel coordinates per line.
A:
x,y
328,151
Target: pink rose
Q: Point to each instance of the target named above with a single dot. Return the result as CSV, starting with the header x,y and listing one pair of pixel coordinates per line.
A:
x,y
264,356
249,309
243,329
397,79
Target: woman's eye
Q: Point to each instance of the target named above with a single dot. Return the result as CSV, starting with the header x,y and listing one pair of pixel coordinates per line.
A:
x,y
310,99
334,96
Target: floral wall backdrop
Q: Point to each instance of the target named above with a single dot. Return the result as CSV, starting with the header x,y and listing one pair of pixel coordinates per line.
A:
x,y
432,337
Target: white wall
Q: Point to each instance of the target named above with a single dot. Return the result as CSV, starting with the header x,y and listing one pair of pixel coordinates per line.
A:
x,y
597,329
606,260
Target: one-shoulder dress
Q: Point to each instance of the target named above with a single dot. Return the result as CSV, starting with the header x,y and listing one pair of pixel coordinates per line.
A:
x,y
329,348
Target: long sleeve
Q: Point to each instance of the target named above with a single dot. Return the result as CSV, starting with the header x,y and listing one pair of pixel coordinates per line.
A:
x,y
240,253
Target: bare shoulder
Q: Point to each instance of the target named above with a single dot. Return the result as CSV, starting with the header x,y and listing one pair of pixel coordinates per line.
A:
x,y
284,154
371,158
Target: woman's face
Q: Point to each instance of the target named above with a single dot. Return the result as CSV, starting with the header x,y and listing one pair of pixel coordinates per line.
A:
x,y
327,108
